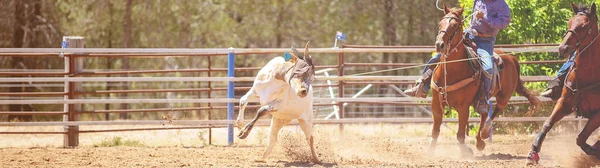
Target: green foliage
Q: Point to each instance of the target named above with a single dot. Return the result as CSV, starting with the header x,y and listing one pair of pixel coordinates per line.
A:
x,y
118,141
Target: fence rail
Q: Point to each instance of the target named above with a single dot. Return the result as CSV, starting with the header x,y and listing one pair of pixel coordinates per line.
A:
x,y
74,77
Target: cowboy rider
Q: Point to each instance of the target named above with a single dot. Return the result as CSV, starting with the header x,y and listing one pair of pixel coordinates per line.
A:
x,y
490,17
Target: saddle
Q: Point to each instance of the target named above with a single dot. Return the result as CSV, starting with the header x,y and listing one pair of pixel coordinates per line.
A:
x,y
584,97
476,64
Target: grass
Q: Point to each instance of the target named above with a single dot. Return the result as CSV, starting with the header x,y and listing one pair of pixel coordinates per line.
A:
x,y
118,141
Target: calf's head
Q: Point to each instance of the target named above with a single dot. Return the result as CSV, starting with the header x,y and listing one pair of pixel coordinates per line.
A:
x,y
302,73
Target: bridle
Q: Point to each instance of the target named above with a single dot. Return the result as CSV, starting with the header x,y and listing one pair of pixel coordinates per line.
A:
x,y
444,92
450,18
577,36
576,90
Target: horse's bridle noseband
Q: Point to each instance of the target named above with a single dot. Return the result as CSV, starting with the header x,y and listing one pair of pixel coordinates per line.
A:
x,y
579,40
450,18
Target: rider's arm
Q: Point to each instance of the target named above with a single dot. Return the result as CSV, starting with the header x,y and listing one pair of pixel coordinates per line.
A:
x,y
498,20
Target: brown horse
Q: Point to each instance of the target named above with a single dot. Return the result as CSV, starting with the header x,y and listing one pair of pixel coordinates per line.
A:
x,y
455,83
580,92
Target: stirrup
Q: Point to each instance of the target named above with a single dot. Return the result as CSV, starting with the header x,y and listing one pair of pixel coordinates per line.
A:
x,y
481,106
547,93
416,91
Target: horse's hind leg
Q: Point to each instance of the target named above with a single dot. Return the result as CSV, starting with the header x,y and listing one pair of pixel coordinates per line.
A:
x,y
307,129
561,110
592,124
501,103
276,125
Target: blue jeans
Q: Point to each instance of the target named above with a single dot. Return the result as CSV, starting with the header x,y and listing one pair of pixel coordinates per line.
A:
x,y
433,60
565,67
485,50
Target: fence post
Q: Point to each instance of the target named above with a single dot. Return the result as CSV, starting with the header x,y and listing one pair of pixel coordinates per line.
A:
x,y
209,104
230,93
72,65
341,88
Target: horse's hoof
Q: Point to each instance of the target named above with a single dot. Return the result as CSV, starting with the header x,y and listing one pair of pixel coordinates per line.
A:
x,y
480,145
532,158
485,131
431,150
316,161
466,152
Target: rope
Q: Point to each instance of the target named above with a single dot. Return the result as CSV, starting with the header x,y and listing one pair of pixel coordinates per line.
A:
x,y
437,5
460,60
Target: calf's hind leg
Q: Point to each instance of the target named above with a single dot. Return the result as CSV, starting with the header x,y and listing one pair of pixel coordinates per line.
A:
x,y
248,97
261,112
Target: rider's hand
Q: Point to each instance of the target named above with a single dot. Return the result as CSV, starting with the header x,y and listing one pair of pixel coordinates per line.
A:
x,y
479,14
474,32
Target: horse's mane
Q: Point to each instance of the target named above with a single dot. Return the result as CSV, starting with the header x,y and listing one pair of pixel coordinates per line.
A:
x,y
584,9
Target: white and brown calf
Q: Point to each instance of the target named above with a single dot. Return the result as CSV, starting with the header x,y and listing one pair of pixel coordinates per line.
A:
x,y
284,90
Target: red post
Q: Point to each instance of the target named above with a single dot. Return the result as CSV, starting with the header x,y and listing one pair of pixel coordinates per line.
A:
x,y
341,88
209,104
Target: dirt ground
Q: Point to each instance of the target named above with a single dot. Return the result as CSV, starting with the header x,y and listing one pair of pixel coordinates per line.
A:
x,y
359,146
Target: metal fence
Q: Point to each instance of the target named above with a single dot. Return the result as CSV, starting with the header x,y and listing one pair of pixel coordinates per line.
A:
x,y
330,95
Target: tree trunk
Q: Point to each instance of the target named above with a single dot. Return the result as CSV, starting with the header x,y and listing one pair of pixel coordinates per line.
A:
x,y
109,62
126,44
389,39
25,21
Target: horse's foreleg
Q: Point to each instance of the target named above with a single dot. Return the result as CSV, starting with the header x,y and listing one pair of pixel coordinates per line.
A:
x,y
250,96
437,122
463,120
261,112
276,125
480,143
560,111
592,124
307,129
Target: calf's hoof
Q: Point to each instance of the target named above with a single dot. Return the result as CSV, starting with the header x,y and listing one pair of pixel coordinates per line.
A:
x,y
240,124
244,133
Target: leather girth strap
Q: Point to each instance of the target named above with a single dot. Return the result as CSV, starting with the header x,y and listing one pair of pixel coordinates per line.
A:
x,y
457,85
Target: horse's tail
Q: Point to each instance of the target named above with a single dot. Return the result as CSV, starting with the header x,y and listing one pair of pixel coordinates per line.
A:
x,y
521,90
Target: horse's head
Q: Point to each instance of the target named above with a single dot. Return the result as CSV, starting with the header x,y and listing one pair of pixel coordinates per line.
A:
x,y
583,26
450,29
303,72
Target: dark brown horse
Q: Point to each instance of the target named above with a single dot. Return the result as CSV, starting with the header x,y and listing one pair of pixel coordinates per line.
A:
x,y
455,83
580,92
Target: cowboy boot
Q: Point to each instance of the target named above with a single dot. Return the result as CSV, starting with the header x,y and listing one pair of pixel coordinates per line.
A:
x,y
418,90
554,87
482,105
